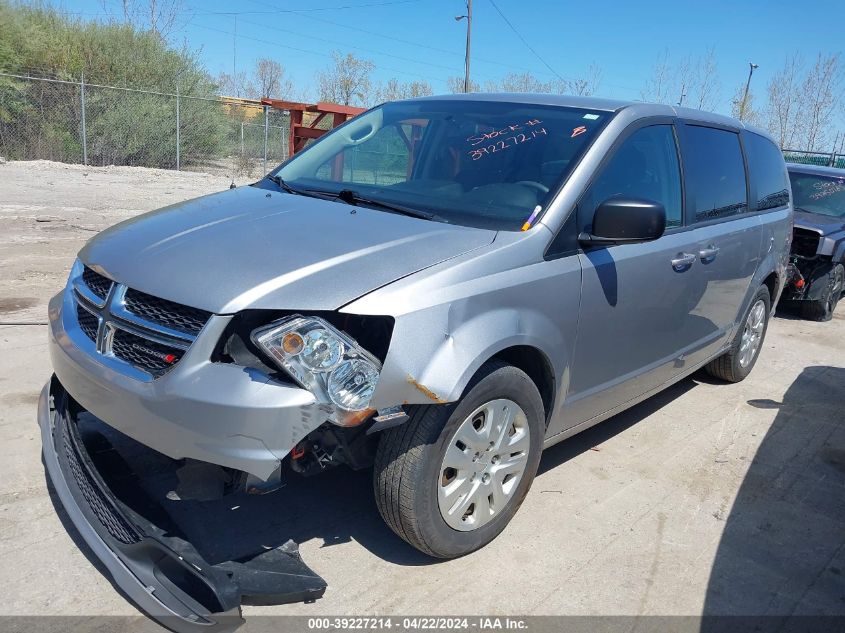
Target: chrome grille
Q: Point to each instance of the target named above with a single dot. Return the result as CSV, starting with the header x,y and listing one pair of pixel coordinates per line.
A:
x,y
96,283
143,353
142,334
88,322
163,312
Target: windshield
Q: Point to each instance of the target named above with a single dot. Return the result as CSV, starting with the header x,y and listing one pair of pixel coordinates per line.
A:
x,y
824,195
477,163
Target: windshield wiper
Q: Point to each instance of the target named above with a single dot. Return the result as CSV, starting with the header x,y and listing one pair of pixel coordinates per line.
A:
x,y
354,198
284,186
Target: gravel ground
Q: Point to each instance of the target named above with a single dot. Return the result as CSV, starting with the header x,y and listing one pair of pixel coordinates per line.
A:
x,y
48,210
707,499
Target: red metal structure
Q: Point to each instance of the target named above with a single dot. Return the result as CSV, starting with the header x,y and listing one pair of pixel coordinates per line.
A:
x,y
300,130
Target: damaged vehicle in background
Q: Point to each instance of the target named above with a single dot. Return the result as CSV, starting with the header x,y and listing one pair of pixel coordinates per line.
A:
x,y
437,290
816,272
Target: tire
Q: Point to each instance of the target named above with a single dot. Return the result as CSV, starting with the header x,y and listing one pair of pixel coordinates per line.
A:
x,y
733,365
822,308
411,477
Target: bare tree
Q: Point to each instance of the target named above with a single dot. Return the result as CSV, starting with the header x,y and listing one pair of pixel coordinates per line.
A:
x,y
584,86
159,16
692,82
681,82
490,85
784,117
706,86
236,85
527,82
523,82
395,90
820,92
270,79
456,85
346,80
657,88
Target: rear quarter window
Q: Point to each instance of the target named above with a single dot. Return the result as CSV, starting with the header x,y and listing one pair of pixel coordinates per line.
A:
x,y
769,180
714,171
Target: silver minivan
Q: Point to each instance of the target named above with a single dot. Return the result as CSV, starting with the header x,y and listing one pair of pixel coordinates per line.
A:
x,y
437,290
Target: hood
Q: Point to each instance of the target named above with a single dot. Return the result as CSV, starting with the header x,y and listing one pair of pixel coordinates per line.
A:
x,y
254,248
824,224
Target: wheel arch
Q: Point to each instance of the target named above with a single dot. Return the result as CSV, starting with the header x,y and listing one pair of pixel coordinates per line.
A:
x,y
539,369
416,373
772,282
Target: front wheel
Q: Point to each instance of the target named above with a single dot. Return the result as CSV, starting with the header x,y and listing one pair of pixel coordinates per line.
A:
x,y
450,479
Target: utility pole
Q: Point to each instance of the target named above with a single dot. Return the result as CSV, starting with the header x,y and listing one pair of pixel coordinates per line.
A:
x,y
468,18
742,106
178,127
235,56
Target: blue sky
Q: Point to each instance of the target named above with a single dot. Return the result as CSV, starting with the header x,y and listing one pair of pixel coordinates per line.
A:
x,y
419,39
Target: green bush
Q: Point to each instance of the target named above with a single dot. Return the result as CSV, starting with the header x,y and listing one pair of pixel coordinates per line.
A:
x,y
40,119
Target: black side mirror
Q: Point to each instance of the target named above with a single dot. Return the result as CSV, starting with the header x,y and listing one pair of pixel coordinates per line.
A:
x,y
620,220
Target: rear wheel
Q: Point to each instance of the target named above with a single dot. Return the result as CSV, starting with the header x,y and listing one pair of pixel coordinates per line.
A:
x,y
450,479
735,364
822,308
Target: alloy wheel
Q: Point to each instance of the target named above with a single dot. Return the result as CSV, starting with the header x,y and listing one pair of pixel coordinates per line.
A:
x,y
752,335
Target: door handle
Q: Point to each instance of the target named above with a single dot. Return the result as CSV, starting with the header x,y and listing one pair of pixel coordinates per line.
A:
x,y
683,261
708,254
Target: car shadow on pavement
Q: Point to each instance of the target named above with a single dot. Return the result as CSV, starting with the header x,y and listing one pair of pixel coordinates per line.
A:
x,y
782,550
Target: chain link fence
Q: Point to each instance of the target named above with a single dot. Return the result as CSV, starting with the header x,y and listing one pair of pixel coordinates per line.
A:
x,y
822,159
77,122
71,121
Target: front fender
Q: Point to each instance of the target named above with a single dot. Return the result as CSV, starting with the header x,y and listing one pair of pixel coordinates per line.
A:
x,y
439,369
447,332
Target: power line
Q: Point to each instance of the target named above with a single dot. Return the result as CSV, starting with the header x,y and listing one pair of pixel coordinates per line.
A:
x,y
418,44
311,36
313,9
313,52
524,41
475,58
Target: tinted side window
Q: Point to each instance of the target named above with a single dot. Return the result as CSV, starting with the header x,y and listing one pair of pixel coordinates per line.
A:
x,y
644,166
768,172
714,173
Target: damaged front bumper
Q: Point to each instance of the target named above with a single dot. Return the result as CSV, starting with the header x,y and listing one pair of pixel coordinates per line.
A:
x,y
163,573
806,279
213,412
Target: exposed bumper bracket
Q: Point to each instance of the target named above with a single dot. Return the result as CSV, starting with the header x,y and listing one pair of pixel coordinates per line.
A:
x,y
162,573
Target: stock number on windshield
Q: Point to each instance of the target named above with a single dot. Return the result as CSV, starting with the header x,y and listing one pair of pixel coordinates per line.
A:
x,y
518,138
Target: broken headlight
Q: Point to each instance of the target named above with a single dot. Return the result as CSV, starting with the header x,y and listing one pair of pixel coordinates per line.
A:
x,y
324,360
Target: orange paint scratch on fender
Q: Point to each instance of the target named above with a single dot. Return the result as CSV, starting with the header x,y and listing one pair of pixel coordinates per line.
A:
x,y
428,392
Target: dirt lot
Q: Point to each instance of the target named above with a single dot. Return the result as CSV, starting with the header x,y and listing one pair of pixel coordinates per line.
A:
x,y
709,498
